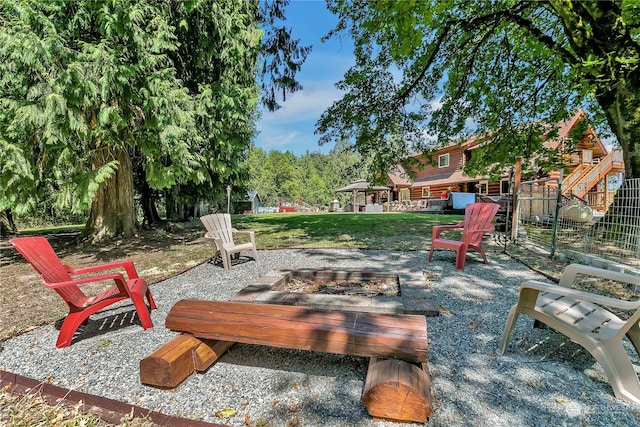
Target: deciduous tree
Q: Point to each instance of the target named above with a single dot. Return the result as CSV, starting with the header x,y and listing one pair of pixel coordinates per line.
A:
x,y
428,72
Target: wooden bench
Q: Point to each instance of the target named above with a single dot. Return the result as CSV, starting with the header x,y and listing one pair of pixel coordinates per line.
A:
x,y
397,385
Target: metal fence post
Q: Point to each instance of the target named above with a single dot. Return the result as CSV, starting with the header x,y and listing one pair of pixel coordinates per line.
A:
x,y
554,230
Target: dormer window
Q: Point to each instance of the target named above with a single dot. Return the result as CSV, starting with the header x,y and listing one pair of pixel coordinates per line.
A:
x,y
443,160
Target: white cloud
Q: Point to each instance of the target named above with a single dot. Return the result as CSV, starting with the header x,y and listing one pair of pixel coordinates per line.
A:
x,y
272,139
292,127
308,104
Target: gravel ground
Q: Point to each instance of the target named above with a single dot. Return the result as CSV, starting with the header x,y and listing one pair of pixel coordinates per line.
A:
x,y
543,380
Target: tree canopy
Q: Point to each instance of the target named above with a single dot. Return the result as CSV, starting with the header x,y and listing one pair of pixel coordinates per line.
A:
x,y
312,178
430,72
104,101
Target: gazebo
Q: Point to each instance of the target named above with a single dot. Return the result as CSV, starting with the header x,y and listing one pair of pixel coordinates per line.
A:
x,y
360,186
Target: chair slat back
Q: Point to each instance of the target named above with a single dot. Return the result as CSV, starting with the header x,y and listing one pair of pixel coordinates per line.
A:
x,y
39,253
478,216
219,227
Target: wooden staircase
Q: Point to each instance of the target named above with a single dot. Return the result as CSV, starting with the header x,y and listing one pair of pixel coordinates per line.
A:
x,y
587,175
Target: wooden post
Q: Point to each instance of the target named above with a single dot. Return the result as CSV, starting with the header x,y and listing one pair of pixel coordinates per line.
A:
x,y
517,178
397,390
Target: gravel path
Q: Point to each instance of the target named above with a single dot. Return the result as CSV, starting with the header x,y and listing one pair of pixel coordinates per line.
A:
x,y
543,379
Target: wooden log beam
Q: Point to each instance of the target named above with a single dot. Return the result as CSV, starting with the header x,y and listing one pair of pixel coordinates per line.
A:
x,y
174,361
397,390
208,352
398,336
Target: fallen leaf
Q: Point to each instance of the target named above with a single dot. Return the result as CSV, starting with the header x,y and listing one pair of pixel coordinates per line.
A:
x,y
444,311
560,400
247,420
473,326
226,413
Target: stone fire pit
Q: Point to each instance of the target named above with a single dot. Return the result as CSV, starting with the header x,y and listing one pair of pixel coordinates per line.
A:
x,y
382,291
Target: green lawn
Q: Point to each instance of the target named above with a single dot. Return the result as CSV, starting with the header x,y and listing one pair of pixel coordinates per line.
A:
x,y
398,231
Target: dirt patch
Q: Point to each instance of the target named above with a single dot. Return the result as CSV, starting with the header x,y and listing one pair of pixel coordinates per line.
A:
x,y
157,255
366,288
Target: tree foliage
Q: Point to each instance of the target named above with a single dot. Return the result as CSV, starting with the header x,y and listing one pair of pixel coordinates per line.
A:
x,y
281,56
101,101
430,72
312,178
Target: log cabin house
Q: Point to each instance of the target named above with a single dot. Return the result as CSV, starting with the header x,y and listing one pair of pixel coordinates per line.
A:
x,y
589,169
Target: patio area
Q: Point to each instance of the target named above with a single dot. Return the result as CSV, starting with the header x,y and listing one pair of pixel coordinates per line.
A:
x,y
543,379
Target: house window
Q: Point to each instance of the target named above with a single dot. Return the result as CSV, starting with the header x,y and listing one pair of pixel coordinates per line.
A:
x,y
443,160
504,186
426,191
483,187
405,194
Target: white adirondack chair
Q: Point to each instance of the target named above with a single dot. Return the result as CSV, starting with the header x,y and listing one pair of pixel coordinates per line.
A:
x,y
219,229
583,318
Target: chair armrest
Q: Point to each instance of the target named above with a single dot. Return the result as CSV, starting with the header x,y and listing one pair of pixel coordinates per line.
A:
x,y
127,264
244,232
435,233
113,276
443,227
482,230
250,234
580,295
570,272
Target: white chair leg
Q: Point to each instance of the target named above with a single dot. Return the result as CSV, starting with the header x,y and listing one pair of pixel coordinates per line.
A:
x,y
615,362
226,259
508,329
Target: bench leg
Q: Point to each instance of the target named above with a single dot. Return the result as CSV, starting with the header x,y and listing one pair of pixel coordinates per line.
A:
x,y
174,361
397,390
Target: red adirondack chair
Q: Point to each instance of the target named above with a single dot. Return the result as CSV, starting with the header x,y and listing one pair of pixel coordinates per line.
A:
x,y
39,253
477,222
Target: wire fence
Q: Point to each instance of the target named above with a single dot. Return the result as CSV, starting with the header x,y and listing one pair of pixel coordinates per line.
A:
x,y
561,225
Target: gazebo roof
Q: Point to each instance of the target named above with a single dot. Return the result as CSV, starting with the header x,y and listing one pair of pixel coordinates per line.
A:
x,y
361,185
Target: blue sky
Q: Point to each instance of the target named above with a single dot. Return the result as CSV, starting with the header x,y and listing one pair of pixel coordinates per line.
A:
x,y
292,127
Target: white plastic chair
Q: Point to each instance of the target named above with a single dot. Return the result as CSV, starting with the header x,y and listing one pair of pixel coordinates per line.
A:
x,y
219,229
581,316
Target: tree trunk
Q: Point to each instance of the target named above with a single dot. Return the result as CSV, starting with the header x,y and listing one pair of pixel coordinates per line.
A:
x,y
170,203
149,209
7,226
620,106
113,211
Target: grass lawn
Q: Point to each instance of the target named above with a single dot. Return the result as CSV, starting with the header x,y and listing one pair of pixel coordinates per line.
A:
x,y
397,231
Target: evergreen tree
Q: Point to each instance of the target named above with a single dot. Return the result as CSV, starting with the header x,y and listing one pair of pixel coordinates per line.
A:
x,y
103,99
